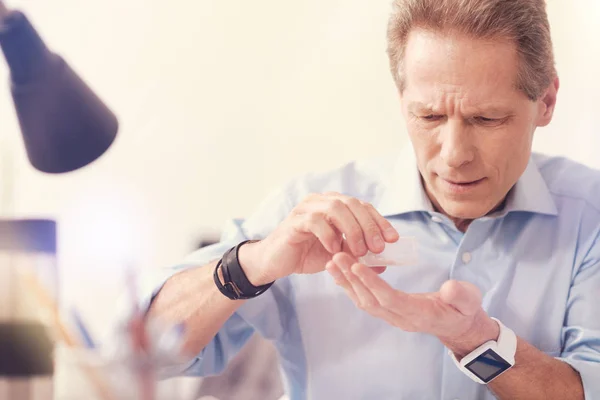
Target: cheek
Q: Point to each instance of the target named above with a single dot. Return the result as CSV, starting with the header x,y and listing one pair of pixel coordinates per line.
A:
x,y
424,150
423,141
507,155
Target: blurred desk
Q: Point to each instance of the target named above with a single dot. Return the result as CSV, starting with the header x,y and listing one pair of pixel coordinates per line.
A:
x,y
72,383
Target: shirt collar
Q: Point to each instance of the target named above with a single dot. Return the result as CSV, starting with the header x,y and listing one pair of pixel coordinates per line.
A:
x,y
402,191
530,193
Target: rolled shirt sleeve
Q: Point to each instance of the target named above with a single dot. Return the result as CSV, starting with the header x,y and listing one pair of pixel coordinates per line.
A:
x,y
236,331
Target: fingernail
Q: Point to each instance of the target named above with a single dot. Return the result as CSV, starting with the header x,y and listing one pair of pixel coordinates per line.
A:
x,y
391,232
342,264
362,247
378,241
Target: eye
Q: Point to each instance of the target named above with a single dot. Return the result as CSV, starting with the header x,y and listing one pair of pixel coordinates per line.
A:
x,y
488,121
431,117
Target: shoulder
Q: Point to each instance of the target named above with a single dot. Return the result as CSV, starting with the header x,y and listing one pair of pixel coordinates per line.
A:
x,y
566,178
358,178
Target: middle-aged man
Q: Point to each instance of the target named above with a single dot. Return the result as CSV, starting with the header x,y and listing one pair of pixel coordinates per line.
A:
x,y
505,297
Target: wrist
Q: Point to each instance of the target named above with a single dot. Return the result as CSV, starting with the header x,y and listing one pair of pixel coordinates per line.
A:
x,y
250,260
483,329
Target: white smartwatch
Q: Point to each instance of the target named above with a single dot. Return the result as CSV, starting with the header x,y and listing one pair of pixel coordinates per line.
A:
x,y
491,359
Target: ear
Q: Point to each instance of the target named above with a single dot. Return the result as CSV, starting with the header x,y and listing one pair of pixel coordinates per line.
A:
x,y
547,103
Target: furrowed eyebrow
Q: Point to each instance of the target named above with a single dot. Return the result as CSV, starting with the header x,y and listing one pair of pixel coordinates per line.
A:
x,y
489,110
422,108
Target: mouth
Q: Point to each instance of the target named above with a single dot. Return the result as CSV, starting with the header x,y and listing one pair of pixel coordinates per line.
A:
x,y
463,183
461,186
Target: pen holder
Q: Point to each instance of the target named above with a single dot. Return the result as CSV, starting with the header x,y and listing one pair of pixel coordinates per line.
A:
x,y
87,374
27,254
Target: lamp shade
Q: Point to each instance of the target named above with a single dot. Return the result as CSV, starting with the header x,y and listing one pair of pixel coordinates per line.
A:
x,y
65,126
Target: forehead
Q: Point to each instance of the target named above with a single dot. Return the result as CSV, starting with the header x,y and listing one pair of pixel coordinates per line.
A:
x,y
477,70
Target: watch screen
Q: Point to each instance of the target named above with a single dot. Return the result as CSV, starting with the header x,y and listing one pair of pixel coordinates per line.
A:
x,y
488,366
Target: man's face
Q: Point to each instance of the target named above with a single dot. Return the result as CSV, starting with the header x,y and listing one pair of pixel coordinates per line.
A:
x,y
470,127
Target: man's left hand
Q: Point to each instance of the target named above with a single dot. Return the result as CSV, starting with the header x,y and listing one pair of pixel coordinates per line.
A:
x,y
453,314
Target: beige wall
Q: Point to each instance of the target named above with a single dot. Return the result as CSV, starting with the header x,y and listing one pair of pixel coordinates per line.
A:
x,y
211,92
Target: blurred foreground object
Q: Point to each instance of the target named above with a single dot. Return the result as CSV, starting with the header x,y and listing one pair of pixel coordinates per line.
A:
x,y
65,126
125,371
26,345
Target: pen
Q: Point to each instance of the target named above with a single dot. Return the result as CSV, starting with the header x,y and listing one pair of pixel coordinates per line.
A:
x,y
84,333
46,301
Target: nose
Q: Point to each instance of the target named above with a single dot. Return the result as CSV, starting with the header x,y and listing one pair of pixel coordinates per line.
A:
x,y
457,148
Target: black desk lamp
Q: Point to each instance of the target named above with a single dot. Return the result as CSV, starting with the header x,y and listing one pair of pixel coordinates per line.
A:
x,y
65,126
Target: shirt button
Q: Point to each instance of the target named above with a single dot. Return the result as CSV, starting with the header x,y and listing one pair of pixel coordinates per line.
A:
x,y
436,219
466,257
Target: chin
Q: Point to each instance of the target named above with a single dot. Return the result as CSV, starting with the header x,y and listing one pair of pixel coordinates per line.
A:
x,y
465,209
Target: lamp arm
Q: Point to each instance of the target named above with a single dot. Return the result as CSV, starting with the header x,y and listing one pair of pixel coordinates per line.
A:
x,y
3,10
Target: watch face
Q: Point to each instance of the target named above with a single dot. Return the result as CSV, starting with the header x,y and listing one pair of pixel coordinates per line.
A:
x,y
488,365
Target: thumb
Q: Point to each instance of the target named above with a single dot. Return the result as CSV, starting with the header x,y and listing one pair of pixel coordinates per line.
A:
x,y
463,296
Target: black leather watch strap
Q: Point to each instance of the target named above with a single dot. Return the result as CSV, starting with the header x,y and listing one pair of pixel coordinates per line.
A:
x,y
236,285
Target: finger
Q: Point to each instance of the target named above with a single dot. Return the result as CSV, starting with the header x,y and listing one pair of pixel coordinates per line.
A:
x,y
338,213
340,280
389,232
366,300
371,231
391,299
378,269
383,292
463,296
329,237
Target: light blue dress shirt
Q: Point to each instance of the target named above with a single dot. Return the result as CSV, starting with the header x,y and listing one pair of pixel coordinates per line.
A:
x,y
537,263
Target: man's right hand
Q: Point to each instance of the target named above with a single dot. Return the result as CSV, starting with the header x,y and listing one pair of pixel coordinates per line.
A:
x,y
313,232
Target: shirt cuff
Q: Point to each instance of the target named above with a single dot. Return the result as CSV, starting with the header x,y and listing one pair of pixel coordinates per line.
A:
x,y
589,372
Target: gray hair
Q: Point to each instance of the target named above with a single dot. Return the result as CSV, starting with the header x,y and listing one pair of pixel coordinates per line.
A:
x,y
523,22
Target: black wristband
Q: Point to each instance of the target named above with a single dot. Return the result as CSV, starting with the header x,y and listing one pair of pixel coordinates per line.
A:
x,y
236,285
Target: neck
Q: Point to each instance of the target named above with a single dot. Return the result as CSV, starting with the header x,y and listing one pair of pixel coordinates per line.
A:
x,y
461,224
